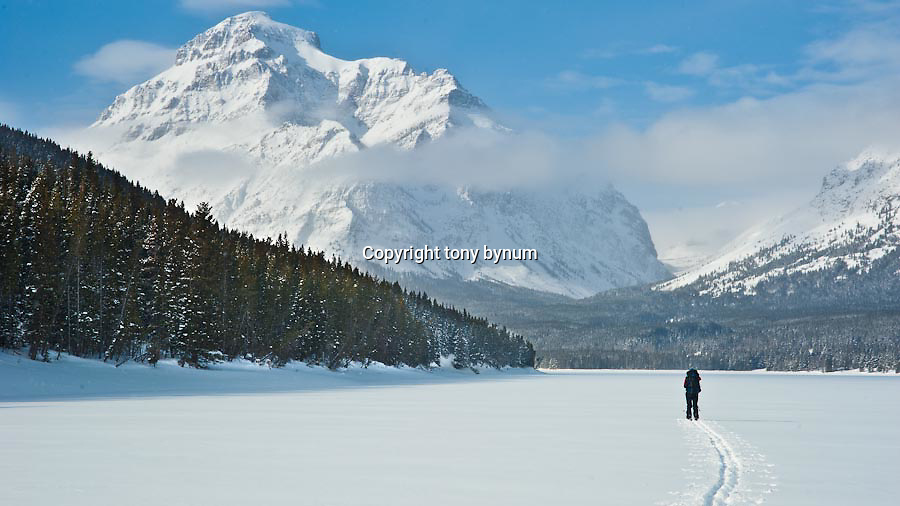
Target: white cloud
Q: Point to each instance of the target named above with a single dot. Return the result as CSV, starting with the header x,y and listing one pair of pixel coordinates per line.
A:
x,y
793,138
760,79
471,157
617,50
857,7
840,101
870,51
699,64
659,49
126,61
9,113
578,80
601,53
667,93
685,235
875,6
606,107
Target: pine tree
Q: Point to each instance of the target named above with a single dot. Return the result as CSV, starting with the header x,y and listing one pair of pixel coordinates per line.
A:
x,y
42,241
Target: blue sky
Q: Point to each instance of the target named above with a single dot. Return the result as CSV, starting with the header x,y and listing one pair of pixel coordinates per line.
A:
x,y
582,63
708,115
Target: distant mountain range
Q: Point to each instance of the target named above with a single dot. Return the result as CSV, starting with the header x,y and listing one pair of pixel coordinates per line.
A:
x,y
847,235
816,289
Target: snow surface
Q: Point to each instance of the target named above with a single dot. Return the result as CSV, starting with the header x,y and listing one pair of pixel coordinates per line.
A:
x,y
243,434
253,108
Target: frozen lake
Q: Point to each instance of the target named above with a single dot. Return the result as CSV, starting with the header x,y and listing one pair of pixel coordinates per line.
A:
x,y
384,438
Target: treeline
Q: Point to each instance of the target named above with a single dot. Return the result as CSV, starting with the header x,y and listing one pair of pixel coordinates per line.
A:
x,y
824,320
645,329
93,265
868,342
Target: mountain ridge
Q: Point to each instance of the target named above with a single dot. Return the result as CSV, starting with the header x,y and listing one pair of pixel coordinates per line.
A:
x,y
849,226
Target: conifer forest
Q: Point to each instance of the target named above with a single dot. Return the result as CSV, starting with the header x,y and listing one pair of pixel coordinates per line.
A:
x,y
95,266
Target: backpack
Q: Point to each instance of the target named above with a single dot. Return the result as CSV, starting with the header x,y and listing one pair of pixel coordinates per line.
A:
x,y
692,381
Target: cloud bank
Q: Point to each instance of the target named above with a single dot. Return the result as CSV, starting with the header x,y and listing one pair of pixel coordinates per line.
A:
x,y
842,100
126,61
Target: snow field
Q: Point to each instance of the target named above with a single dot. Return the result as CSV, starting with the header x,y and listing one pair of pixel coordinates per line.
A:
x,y
248,435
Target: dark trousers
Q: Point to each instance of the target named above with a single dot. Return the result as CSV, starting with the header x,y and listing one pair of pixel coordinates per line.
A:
x,y
692,403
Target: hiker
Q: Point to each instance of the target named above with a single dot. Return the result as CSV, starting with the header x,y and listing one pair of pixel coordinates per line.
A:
x,y
692,392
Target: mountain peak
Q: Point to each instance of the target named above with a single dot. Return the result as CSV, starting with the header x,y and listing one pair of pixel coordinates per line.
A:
x,y
869,156
860,184
251,68
249,32
251,16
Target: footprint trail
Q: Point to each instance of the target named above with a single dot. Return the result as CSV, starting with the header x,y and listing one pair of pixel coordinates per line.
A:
x,y
729,468
722,469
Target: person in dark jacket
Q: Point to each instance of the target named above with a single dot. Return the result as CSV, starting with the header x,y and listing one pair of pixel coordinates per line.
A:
x,y
692,392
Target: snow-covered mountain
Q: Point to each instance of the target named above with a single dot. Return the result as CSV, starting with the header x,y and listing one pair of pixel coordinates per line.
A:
x,y
848,229
251,109
249,64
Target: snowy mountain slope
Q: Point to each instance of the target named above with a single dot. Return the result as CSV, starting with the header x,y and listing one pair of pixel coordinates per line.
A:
x,y
848,228
252,105
344,219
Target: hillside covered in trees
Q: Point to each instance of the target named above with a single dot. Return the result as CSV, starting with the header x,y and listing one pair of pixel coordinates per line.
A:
x,y
834,318
643,329
95,266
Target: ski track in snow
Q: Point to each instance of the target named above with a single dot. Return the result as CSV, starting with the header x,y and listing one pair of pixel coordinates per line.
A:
x,y
729,468
742,475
